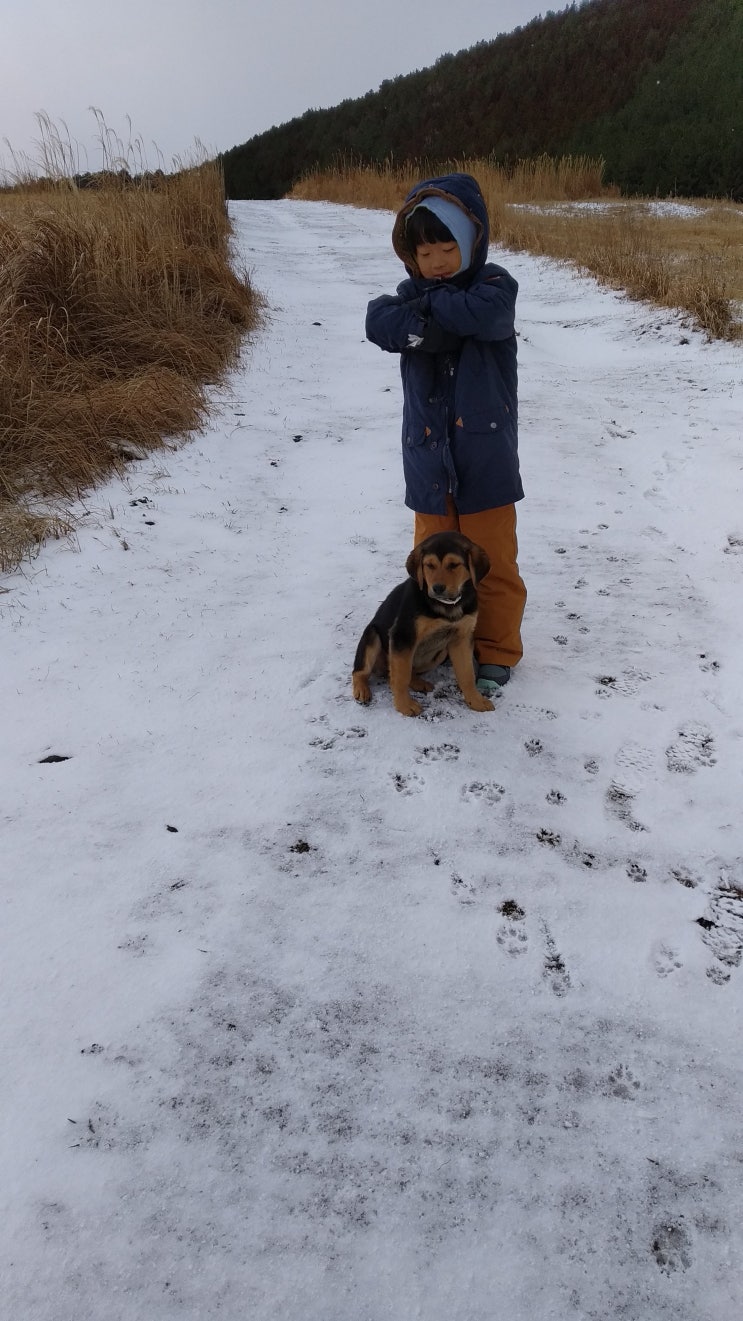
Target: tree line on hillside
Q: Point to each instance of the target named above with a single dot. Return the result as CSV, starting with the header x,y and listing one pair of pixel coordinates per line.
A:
x,y
682,130
653,86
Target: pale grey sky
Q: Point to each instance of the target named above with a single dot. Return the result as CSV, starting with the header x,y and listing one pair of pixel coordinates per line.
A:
x,y
214,70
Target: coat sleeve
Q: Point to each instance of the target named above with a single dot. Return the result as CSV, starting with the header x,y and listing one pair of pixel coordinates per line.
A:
x,y
486,310
395,324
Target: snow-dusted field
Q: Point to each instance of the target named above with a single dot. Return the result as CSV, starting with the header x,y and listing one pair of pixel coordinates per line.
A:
x,y
314,1013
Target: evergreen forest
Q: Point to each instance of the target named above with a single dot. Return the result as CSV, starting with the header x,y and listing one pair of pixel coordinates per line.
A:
x,y
654,87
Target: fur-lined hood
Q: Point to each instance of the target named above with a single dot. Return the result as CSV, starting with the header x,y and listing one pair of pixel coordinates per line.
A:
x,y
464,191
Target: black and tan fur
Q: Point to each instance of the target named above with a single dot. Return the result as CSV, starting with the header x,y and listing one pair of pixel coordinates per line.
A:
x,y
428,617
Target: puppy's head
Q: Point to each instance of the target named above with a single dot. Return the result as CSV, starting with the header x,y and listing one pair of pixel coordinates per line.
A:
x,y
444,563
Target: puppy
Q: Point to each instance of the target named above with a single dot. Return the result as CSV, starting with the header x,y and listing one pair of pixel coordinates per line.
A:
x,y
430,616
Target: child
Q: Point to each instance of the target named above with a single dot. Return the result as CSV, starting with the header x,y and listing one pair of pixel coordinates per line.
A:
x,y
452,322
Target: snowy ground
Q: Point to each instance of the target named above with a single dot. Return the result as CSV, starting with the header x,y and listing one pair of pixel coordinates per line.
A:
x,y
311,1012
660,207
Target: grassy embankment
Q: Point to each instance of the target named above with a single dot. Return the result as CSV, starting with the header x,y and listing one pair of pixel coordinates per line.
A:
x,y
688,257
119,307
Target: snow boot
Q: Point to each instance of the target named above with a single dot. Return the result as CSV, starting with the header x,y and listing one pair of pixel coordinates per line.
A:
x,y
492,677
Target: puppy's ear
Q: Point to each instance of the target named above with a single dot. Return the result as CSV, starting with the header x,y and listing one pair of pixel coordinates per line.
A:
x,y
414,565
479,563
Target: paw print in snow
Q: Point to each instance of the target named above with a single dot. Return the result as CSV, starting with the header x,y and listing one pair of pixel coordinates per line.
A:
x,y
512,939
623,1083
407,784
706,665
510,936
548,837
509,908
556,973
443,752
326,742
672,1248
666,961
636,872
462,890
479,791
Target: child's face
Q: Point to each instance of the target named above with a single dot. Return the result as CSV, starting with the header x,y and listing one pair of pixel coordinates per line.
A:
x,y
438,261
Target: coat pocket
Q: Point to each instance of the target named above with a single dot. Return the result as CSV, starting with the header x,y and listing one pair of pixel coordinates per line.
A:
x,y
486,418
421,427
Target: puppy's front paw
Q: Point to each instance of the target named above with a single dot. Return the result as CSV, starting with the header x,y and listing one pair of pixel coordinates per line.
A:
x,y
361,689
478,702
407,707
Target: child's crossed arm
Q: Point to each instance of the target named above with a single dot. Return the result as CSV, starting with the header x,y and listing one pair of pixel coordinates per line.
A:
x,y
395,324
484,311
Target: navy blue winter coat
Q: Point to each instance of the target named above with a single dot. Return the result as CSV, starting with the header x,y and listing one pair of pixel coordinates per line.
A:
x,y
460,407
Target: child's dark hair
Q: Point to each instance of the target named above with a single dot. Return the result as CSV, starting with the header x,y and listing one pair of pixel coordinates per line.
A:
x,y
422,226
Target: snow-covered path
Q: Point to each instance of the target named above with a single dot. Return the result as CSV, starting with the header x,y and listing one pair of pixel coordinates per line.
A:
x,y
314,1013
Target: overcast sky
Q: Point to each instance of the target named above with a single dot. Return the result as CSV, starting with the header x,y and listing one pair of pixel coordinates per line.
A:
x,y
214,70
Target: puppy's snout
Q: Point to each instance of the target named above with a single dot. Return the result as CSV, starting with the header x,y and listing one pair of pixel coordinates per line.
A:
x,y
438,589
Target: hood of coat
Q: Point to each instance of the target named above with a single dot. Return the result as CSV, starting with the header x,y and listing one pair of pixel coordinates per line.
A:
x,y
464,191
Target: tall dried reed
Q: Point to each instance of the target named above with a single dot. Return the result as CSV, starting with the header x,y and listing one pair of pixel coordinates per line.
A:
x,y
671,260
385,184
688,257
119,306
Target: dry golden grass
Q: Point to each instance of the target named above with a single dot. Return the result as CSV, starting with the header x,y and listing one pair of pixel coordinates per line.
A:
x,y
384,186
119,306
22,531
687,256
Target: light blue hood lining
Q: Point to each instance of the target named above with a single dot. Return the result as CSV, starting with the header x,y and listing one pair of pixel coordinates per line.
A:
x,y
460,226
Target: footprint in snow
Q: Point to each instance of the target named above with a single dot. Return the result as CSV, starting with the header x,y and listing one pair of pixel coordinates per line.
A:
x,y
634,766
328,742
706,665
693,748
722,926
486,792
512,939
407,784
672,1248
442,752
623,1083
368,543
439,708
463,891
619,803
548,837
686,877
512,935
627,683
554,971
666,960
636,871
